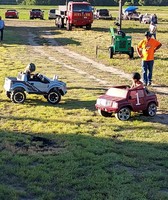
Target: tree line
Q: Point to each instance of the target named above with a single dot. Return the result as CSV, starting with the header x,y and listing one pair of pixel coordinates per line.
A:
x,y
97,2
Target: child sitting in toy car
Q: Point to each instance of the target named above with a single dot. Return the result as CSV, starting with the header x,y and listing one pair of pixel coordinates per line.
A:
x,y
28,71
136,80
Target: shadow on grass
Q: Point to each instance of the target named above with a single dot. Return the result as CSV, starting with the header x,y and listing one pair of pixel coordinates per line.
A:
x,y
70,166
160,58
22,36
75,104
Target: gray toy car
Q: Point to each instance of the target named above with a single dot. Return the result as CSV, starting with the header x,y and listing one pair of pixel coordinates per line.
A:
x,y
17,87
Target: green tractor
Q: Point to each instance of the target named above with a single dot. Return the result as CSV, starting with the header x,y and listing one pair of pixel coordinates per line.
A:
x,y
120,44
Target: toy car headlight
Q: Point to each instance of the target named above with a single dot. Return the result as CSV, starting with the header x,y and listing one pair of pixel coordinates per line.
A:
x,y
104,102
115,105
108,103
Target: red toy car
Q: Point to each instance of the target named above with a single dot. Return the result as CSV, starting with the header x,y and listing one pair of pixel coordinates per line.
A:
x,y
121,100
11,14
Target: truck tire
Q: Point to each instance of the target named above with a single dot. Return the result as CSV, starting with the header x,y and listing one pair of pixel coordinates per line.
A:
x,y
62,22
56,22
88,27
69,26
18,96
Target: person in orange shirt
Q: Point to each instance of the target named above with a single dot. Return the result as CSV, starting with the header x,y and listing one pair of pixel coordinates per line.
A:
x,y
146,49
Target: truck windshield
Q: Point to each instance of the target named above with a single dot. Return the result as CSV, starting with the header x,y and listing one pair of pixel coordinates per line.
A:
x,y
82,7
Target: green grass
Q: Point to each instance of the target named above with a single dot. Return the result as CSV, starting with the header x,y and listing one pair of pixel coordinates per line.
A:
x,y
68,151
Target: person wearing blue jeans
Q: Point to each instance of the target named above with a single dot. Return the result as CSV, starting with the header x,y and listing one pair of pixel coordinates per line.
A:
x,y
147,66
2,25
146,49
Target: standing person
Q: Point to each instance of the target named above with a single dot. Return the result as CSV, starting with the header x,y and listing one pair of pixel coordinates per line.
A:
x,y
154,19
140,18
2,25
152,29
146,49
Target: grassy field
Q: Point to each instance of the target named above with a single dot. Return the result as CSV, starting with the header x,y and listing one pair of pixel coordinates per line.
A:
x,y
68,151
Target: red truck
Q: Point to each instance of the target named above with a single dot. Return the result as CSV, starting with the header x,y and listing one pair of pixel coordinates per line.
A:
x,y
76,14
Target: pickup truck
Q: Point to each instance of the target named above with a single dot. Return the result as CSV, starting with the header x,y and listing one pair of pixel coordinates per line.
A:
x,y
17,87
102,14
74,14
36,13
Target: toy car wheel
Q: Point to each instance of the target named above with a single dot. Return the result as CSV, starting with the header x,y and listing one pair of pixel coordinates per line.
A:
x,y
8,94
45,96
104,113
111,50
54,97
151,110
123,114
18,96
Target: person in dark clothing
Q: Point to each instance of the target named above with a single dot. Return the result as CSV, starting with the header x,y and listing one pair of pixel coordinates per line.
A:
x,y
2,25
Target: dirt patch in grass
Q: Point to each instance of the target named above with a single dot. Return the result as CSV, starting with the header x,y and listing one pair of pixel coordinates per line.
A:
x,y
35,144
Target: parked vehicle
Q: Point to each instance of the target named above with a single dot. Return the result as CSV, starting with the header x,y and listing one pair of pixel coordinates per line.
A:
x,y
130,13
102,14
121,100
146,19
77,14
17,87
11,14
52,14
36,13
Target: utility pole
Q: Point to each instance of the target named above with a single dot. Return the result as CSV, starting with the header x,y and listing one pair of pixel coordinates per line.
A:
x,y
120,14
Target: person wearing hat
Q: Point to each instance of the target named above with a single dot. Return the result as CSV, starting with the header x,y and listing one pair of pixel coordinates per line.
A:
x,y
146,49
2,25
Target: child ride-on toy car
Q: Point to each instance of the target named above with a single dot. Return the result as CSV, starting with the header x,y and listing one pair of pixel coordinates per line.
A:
x,y
121,100
51,89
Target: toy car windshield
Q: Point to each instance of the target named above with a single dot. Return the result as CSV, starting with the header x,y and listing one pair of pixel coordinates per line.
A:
x,y
116,92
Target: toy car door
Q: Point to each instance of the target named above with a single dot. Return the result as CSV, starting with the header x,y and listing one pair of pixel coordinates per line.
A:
x,y
137,99
42,84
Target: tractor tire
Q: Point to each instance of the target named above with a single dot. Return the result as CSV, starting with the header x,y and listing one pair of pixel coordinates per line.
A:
x,y
131,53
111,51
